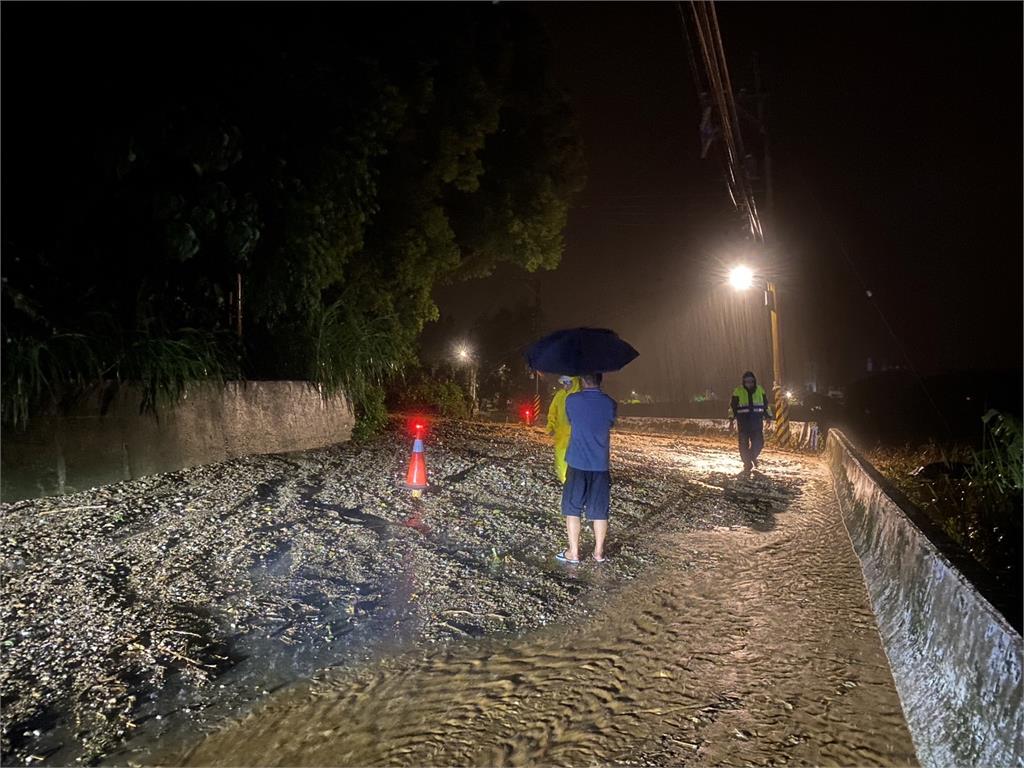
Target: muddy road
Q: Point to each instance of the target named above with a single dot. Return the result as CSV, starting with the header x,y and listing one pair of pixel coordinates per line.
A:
x,y
346,623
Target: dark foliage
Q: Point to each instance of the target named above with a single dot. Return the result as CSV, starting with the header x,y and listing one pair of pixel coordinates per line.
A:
x,y
342,159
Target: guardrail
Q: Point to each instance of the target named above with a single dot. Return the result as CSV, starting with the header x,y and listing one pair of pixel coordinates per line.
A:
x,y
955,659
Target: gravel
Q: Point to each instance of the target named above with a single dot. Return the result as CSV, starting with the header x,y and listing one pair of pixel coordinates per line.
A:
x,y
164,604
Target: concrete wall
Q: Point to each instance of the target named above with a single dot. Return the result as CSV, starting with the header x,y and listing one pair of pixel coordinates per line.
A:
x,y
956,661
83,449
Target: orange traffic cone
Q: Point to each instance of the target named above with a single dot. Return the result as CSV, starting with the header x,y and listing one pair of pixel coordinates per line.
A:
x,y
416,477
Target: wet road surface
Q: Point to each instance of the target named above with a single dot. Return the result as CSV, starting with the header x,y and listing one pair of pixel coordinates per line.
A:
x,y
148,611
743,644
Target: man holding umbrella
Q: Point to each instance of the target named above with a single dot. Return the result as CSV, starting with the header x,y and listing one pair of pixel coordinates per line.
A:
x,y
587,487
587,353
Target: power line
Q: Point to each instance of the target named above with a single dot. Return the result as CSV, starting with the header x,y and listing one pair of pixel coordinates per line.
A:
x,y
689,52
715,84
716,69
703,96
735,123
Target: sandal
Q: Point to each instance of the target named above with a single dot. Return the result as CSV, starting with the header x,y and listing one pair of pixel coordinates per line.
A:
x,y
562,558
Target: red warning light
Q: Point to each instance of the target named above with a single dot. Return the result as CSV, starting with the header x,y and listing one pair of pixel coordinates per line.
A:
x,y
527,414
417,426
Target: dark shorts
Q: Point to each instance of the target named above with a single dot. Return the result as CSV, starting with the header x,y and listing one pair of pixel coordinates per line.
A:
x,y
586,490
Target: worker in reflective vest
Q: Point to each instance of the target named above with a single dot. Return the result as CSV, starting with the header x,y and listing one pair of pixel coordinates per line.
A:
x,y
750,407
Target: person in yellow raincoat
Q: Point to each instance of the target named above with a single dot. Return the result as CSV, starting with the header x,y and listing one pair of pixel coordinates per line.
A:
x,y
558,422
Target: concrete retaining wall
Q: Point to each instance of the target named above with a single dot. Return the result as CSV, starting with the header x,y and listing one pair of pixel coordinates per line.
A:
x,y
956,661
84,449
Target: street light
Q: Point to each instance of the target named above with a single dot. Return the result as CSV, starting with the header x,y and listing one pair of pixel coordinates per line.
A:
x,y
741,277
464,355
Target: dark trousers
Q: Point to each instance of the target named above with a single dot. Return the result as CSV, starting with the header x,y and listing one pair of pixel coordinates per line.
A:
x,y
751,443
586,490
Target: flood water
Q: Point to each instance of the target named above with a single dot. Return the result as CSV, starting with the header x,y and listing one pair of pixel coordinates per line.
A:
x,y
745,644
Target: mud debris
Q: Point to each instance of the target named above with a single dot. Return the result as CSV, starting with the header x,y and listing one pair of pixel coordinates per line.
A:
x,y
177,599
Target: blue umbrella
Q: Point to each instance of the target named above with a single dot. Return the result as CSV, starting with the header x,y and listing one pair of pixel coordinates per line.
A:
x,y
576,351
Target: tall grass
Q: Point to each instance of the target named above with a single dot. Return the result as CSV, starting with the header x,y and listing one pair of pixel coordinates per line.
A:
x,y
341,349
37,372
357,354
52,372
163,367
999,465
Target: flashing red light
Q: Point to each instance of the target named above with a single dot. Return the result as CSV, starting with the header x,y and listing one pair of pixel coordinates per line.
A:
x,y
417,427
527,413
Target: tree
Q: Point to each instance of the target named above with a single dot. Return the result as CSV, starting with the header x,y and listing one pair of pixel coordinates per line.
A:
x,y
343,159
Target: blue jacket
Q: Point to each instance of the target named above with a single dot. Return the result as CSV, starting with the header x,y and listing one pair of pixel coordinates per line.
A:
x,y
592,414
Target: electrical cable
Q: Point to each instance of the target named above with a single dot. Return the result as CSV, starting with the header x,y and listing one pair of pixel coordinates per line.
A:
x,y
735,122
709,36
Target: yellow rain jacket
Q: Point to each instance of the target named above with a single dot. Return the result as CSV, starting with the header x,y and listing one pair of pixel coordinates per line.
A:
x,y
558,425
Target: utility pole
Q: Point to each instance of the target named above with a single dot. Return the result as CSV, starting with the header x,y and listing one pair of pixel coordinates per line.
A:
x,y
778,394
474,408
781,403
238,314
235,305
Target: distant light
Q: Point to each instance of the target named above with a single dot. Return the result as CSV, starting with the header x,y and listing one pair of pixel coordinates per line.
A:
x,y
789,394
741,278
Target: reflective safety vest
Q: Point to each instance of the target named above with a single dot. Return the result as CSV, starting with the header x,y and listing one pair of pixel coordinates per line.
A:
x,y
757,404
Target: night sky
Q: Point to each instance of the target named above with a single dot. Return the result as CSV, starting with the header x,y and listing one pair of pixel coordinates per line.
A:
x,y
896,137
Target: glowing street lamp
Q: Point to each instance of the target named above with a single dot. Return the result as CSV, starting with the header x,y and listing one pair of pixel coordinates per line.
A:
x,y
741,278
464,355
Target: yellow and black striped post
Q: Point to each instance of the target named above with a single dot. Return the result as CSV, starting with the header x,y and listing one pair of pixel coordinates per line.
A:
x,y
782,435
535,404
